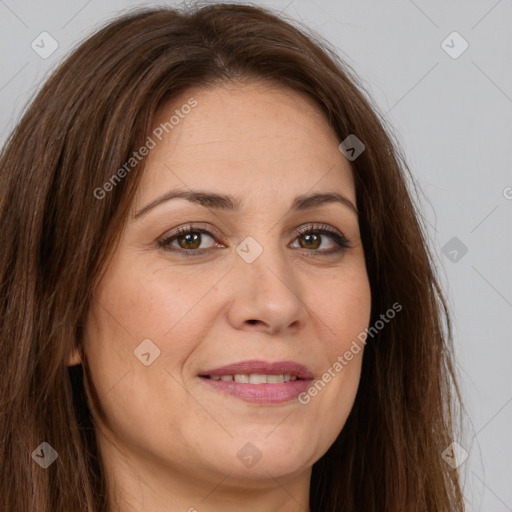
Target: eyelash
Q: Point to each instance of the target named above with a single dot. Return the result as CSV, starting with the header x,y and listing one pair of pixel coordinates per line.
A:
x,y
317,229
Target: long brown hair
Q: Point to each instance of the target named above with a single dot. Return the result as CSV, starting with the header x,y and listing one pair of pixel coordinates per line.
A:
x,y
56,237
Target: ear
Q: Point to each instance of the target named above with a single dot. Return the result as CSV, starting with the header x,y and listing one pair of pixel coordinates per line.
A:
x,y
74,358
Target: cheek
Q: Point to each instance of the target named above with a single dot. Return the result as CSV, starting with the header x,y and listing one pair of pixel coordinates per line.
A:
x,y
138,302
130,308
151,302
342,308
341,312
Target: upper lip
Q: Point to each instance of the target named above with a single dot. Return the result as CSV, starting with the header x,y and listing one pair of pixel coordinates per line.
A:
x,y
262,367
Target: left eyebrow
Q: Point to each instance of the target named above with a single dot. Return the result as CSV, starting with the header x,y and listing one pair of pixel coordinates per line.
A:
x,y
306,202
231,203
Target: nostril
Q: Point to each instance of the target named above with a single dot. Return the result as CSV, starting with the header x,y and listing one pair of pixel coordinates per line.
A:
x,y
252,322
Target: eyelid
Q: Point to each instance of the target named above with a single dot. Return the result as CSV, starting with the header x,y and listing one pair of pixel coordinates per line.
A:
x,y
164,242
201,227
339,238
317,226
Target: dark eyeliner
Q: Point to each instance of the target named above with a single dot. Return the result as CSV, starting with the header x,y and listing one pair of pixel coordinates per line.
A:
x,y
323,229
165,242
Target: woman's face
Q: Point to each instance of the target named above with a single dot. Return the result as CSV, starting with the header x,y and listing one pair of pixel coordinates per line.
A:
x,y
256,284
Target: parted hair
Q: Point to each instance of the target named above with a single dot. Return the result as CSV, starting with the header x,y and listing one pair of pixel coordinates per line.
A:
x,y
56,236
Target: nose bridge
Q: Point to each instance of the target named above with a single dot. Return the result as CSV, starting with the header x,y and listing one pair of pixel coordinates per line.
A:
x,y
263,255
267,289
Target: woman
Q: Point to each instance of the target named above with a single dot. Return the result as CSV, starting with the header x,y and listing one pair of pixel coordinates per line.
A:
x,y
216,293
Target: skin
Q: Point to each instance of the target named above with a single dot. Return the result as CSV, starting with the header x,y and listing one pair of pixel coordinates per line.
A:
x,y
170,442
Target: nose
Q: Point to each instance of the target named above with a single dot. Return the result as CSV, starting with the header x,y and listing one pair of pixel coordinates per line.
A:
x,y
266,295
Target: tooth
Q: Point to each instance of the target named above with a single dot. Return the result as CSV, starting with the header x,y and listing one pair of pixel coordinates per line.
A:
x,y
257,378
275,378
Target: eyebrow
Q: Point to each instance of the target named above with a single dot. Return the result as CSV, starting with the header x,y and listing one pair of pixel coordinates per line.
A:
x,y
230,203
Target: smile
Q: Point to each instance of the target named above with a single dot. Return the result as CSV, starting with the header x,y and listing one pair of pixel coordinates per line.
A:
x,y
260,381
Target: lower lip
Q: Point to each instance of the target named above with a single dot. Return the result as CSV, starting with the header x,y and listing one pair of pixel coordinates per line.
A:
x,y
261,393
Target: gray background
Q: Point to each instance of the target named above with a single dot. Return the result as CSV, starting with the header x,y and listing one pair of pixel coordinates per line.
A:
x,y
452,118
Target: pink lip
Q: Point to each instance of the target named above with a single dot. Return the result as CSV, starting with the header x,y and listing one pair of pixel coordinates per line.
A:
x,y
261,393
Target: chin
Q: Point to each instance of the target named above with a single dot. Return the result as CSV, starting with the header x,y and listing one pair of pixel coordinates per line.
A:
x,y
264,452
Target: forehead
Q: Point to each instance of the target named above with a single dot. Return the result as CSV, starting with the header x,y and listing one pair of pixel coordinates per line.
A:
x,y
250,139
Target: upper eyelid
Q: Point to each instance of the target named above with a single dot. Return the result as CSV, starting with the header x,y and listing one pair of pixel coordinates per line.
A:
x,y
337,235
213,231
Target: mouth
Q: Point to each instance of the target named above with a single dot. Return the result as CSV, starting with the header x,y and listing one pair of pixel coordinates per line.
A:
x,y
260,381
254,378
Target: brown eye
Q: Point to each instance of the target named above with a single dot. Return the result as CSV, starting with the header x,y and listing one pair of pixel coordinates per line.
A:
x,y
310,241
188,240
312,238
